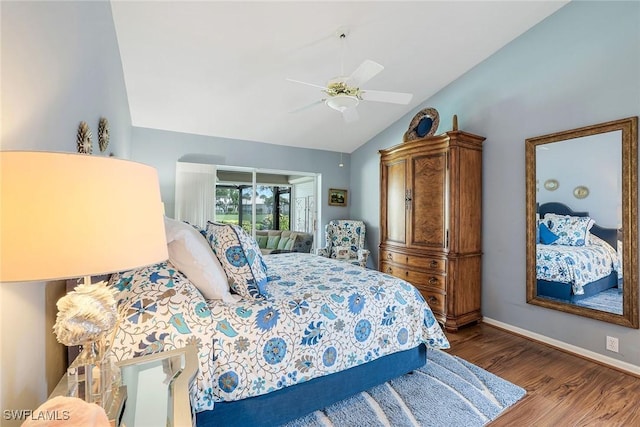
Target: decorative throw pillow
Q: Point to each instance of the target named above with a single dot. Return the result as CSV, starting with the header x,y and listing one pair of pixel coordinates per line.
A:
x,y
342,252
547,236
283,242
262,241
571,230
160,298
190,253
272,242
292,240
240,257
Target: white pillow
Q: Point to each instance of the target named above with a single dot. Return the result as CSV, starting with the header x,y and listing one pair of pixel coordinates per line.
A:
x,y
190,253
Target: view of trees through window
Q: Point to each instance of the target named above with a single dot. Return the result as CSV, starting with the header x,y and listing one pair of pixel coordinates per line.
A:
x,y
273,206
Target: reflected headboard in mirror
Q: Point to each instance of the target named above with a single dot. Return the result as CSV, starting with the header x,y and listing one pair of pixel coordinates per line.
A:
x,y
609,235
589,217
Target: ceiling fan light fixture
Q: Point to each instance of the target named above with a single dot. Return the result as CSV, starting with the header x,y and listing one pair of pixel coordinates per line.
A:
x,y
342,102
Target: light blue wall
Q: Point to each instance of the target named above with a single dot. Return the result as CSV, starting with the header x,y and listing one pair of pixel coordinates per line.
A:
x,y
60,65
580,66
162,149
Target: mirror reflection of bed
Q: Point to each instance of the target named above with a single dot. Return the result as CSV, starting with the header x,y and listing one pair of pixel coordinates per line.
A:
x,y
577,261
593,171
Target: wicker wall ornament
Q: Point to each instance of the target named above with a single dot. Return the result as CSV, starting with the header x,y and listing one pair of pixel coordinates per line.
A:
x,y
84,139
424,124
103,134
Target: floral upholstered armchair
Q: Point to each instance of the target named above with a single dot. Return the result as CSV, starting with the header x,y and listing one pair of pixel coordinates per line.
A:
x,y
345,242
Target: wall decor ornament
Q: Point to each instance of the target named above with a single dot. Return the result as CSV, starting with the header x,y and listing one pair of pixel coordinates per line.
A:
x,y
423,124
84,138
103,134
551,184
337,197
580,192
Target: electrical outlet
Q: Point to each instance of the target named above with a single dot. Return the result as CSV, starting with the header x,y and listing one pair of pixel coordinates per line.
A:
x,y
612,344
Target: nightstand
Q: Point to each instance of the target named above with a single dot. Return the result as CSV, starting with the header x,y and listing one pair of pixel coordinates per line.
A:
x,y
157,389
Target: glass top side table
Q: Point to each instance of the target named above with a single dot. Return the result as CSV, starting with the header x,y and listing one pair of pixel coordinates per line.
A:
x,y
157,389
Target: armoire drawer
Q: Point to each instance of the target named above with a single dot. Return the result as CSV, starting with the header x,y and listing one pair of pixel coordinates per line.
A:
x,y
435,264
416,278
435,300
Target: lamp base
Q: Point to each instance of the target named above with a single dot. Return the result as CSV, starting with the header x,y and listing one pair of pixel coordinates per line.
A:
x,y
98,382
94,377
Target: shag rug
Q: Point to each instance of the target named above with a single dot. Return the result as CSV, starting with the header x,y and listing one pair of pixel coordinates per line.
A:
x,y
447,391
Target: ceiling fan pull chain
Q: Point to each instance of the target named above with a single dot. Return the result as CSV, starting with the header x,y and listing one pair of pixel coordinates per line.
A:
x,y
343,39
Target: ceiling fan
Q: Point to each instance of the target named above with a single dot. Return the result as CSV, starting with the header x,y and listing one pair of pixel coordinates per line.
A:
x,y
344,93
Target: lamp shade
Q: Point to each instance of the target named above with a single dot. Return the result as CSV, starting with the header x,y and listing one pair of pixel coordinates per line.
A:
x,y
68,215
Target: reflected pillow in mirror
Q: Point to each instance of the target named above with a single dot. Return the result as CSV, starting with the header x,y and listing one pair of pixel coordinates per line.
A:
x,y
571,230
547,236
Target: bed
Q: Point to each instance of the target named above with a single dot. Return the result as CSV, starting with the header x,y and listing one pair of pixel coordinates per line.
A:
x,y
573,267
310,332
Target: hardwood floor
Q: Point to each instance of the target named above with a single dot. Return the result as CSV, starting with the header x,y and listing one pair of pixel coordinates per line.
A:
x,y
562,389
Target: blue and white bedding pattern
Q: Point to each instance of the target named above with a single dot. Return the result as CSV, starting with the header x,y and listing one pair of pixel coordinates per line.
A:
x,y
577,265
319,316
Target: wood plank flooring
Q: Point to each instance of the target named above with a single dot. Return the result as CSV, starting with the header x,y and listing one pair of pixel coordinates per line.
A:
x,y
562,389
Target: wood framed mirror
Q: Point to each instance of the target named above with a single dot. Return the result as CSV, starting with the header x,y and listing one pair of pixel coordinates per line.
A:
x,y
583,183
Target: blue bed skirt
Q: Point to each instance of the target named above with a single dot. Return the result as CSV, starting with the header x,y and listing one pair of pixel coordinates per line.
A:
x,y
287,404
564,291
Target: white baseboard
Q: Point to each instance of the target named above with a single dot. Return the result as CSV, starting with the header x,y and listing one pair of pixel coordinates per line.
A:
x,y
579,351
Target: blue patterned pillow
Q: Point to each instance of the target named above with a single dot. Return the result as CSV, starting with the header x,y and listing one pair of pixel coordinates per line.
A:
x,y
571,230
162,310
240,257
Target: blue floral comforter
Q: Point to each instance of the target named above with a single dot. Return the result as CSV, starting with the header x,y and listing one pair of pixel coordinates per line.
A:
x,y
577,265
320,316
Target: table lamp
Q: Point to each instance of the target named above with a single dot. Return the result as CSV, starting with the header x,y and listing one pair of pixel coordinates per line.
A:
x,y
66,215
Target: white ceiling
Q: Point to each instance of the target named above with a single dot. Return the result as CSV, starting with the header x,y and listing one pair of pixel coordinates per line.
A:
x,y
219,68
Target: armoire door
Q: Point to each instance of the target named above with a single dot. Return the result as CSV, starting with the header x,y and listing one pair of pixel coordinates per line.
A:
x,y
428,208
394,212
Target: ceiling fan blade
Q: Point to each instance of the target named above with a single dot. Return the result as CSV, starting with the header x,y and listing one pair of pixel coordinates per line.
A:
x,y
383,96
350,115
365,72
308,84
304,107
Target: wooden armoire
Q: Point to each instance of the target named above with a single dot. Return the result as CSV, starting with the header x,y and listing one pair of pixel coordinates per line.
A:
x,y
431,222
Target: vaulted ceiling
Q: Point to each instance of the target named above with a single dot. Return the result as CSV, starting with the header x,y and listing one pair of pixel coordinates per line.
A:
x,y
220,68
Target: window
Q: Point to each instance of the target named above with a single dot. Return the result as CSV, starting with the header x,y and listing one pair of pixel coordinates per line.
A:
x,y
264,200
234,205
253,198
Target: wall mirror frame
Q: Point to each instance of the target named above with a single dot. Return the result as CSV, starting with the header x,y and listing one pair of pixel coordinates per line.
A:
x,y
627,212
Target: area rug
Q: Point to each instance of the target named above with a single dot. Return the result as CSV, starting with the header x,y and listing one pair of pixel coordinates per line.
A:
x,y
608,300
447,391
